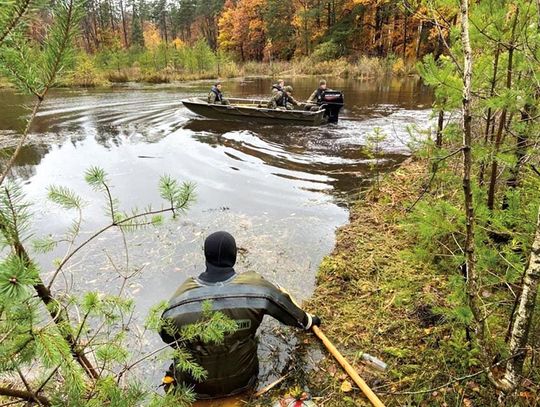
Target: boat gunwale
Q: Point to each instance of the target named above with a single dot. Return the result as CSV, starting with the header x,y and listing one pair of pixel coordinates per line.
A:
x,y
201,102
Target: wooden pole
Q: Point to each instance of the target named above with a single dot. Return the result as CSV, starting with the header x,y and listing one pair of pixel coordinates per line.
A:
x,y
348,368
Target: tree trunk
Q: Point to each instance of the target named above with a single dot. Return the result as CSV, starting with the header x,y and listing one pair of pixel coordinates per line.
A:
x,y
405,22
379,31
522,139
440,46
522,323
390,39
111,15
419,42
329,15
440,125
472,280
95,26
489,118
124,30
499,138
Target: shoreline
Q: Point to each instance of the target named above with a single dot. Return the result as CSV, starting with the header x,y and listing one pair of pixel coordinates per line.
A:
x,y
373,298
88,74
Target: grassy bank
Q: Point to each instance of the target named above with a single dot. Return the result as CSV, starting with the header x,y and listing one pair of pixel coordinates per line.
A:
x,y
92,71
373,297
107,70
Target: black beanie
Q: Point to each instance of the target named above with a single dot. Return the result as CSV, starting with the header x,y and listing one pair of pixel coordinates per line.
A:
x,y
220,249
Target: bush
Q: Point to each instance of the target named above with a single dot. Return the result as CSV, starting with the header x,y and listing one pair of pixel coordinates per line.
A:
x,y
156,77
326,51
118,77
367,67
85,73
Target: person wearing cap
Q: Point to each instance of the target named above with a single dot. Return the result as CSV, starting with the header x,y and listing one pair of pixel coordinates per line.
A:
x,y
283,99
232,366
215,97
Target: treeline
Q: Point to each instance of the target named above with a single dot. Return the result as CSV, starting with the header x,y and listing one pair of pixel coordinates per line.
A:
x,y
264,30
160,40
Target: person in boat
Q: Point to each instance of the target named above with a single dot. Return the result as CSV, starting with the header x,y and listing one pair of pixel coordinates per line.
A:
x,y
283,99
315,99
232,366
215,96
278,86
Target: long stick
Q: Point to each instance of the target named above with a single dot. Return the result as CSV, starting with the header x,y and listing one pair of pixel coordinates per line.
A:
x,y
348,368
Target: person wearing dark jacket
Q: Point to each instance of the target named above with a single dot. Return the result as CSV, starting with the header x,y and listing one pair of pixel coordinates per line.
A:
x,y
215,96
283,99
316,96
315,99
278,86
232,366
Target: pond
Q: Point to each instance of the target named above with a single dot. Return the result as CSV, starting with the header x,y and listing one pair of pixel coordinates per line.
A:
x,y
280,190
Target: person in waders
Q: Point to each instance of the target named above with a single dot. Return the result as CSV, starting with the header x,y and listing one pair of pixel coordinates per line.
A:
x,y
232,367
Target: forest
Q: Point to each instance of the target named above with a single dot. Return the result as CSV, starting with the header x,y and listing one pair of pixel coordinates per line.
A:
x,y
157,41
264,29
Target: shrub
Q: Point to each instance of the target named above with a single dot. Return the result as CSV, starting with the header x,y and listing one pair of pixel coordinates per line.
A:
x,y
85,73
326,51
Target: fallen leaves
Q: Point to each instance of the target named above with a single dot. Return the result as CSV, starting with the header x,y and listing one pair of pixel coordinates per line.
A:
x,y
346,386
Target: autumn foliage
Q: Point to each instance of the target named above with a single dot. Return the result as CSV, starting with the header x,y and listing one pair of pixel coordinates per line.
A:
x,y
268,30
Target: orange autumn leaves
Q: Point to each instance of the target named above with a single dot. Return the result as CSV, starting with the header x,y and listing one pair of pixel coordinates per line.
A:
x,y
282,29
242,28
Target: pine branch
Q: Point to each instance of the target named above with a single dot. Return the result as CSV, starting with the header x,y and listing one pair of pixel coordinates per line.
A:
x,y
23,395
59,45
28,388
22,140
180,197
15,20
44,293
18,77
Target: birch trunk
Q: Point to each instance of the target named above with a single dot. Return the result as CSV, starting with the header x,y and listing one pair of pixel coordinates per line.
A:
x,y
522,323
473,287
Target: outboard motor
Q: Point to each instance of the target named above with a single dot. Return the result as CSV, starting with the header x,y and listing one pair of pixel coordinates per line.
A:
x,y
332,102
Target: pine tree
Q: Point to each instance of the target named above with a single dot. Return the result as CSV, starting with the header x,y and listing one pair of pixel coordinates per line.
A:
x,y
64,338
137,33
485,239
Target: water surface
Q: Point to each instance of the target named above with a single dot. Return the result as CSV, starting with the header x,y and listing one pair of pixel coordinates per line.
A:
x,y
280,190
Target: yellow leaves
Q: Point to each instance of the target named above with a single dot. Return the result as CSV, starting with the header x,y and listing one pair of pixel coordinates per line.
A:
x,y
242,28
346,386
178,43
152,39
